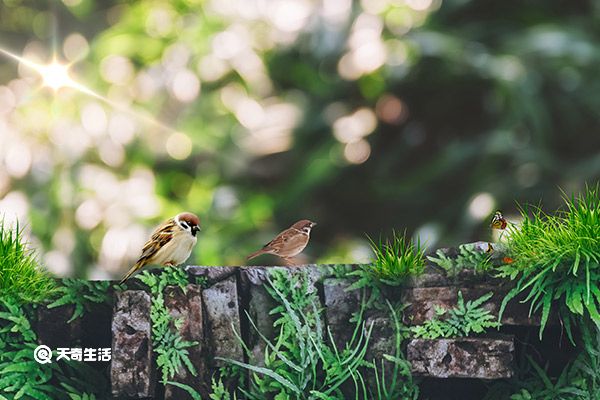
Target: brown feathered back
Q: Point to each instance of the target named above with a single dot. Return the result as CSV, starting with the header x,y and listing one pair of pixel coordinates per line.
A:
x,y
289,242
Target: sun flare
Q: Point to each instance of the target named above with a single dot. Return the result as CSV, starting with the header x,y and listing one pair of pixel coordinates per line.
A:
x,y
56,75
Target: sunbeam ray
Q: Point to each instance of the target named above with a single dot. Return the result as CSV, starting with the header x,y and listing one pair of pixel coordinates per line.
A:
x,y
56,76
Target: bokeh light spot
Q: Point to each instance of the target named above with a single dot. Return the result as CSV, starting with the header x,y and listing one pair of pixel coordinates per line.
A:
x,y
7,100
185,86
357,152
391,109
427,234
18,160
75,47
116,69
481,206
352,128
58,263
93,119
88,215
15,207
179,146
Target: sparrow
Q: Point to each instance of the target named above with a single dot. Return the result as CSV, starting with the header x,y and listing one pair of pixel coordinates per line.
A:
x,y
288,243
170,244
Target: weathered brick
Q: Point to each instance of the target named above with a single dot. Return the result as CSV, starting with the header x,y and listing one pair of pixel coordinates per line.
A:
x,y
340,304
223,321
212,274
469,357
423,301
132,371
187,308
259,304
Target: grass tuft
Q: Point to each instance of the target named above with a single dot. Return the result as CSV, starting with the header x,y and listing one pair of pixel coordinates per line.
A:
x,y
557,259
396,259
21,275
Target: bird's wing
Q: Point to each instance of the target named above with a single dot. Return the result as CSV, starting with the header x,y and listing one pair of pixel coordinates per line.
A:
x,y
280,239
160,237
297,241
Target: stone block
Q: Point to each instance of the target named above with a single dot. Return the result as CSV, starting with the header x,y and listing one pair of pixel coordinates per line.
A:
x,y
469,357
340,304
133,374
258,305
187,308
212,274
221,304
423,301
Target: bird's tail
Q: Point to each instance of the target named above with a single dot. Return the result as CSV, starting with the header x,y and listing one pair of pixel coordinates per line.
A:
x,y
132,271
256,254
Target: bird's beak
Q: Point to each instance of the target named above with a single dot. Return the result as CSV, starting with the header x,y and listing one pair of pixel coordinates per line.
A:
x,y
313,224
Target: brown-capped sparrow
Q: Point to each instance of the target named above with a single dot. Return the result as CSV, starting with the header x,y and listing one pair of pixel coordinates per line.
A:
x,y
170,244
288,243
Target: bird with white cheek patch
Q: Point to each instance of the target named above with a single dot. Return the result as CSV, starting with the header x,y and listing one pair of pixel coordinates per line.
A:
x,y
170,244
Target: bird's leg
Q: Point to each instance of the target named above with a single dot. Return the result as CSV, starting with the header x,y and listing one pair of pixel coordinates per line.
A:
x,y
288,261
169,264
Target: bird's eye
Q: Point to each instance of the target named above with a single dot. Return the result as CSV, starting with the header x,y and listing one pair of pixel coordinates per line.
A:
x,y
185,225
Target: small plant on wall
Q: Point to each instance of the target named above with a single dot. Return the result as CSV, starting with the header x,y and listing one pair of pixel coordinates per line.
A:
x,y
396,259
20,272
556,260
468,258
463,320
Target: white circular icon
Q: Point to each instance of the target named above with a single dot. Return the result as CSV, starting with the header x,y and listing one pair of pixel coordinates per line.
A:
x,y
43,354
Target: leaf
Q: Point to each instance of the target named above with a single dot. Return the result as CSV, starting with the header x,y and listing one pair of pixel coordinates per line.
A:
x,y
190,390
547,304
574,301
265,371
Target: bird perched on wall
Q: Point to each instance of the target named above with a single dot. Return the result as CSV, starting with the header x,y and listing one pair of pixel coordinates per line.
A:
x,y
288,243
170,244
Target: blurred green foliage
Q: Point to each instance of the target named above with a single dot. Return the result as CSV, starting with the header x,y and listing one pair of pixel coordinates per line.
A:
x,y
363,116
